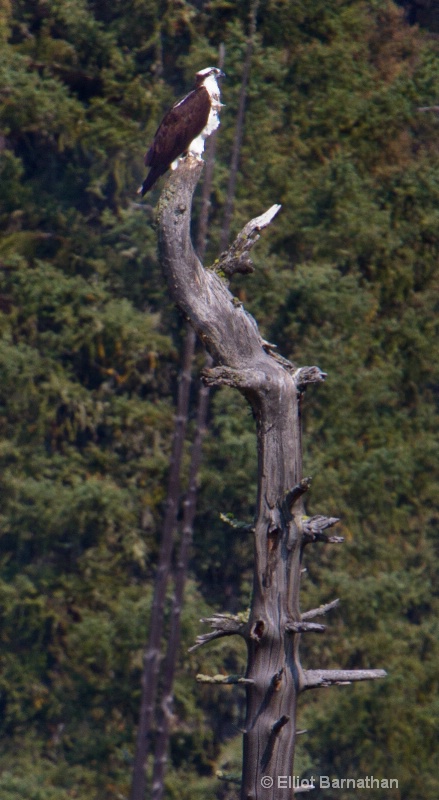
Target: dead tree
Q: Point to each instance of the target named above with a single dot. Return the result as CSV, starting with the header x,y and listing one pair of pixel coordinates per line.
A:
x,y
273,387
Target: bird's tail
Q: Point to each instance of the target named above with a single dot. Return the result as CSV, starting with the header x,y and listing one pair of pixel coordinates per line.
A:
x,y
151,178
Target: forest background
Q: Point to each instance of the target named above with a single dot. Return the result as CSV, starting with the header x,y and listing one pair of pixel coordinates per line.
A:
x,y
347,278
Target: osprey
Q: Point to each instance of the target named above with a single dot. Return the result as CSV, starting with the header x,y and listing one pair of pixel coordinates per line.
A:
x,y
185,126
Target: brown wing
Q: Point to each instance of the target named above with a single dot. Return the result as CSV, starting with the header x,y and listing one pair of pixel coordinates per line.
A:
x,y
178,128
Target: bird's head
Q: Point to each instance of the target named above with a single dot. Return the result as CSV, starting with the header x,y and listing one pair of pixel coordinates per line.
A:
x,y
208,72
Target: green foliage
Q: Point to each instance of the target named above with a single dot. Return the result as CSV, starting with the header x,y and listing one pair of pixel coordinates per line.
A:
x,y
346,278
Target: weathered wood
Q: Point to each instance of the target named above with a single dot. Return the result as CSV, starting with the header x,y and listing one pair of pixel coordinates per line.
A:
x,y
305,627
321,678
224,625
224,680
273,387
318,612
236,346
233,340
236,258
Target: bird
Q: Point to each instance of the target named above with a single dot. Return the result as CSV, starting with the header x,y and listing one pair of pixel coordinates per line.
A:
x,y
185,126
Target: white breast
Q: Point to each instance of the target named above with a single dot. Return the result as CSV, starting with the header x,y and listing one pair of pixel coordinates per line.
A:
x,y
196,147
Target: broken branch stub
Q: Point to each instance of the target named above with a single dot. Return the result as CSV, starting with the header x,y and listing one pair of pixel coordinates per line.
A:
x,y
322,678
236,258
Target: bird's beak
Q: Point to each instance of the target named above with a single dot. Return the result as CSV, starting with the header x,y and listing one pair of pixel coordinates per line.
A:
x,y
221,74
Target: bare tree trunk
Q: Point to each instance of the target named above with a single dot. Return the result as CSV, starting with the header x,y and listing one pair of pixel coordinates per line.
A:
x,y
151,658
273,386
169,666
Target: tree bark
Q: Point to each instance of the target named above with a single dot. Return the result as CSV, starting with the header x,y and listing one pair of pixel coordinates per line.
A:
x,y
152,655
169,665
232,338
272,386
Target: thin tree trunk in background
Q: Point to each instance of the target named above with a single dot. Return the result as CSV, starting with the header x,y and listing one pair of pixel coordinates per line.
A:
x,y
169,667
239,131
151,659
